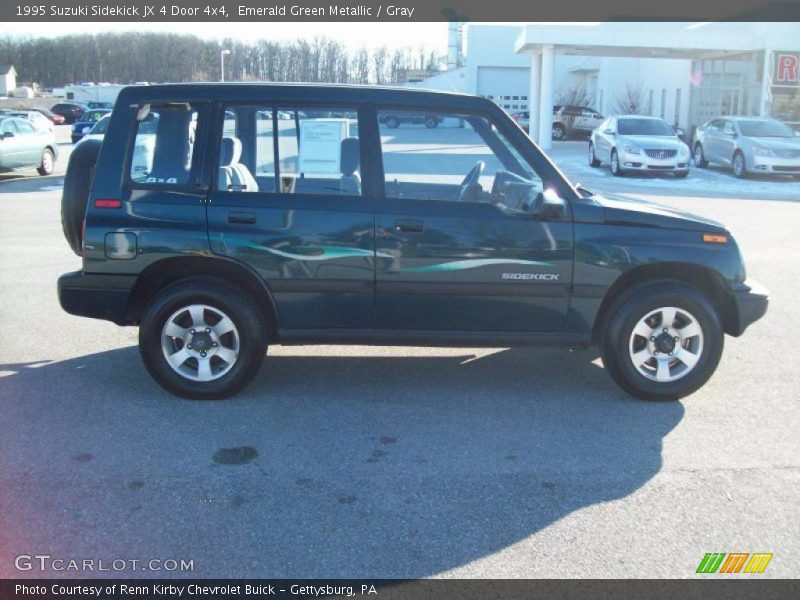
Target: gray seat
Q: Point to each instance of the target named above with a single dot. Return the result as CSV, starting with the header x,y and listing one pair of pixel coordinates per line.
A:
x,y
234,176
349,160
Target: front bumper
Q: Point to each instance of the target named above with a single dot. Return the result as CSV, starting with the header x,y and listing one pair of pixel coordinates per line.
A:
x,y
751,300
96,295
642,162
773,164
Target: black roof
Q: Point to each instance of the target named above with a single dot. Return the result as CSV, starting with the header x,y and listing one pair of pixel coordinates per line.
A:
x,y
301,92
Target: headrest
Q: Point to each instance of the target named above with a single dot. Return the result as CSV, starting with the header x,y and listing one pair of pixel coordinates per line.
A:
x,y
230,151
350,156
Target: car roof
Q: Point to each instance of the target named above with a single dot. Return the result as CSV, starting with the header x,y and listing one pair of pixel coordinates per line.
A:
x,y
649,117
298,92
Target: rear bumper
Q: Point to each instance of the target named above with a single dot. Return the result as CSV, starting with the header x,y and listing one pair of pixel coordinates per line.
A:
x,y
751,300
97,296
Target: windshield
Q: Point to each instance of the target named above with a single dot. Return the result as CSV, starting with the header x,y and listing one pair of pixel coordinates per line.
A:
x,y
765,129
644,127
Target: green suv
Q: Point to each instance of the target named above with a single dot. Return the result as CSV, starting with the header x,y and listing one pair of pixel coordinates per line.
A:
x,y
243,228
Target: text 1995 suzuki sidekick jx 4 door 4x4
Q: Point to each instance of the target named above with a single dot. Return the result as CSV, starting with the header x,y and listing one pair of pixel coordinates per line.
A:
x,y
219,228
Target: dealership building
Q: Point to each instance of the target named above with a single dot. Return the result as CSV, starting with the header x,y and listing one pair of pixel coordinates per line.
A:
x,y
685,73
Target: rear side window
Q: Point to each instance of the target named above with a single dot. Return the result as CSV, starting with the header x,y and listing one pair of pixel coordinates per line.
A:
x,y
164,145
289,150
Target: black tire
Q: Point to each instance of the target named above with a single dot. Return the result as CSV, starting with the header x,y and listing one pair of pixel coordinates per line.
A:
x,y
739,173
392,122
224,297
431,123
699,156
624,314
616,171
559,132
48,162
593,162
75,196
681,174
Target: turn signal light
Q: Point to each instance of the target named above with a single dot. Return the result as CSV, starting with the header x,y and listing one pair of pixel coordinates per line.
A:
x,y
107,203
712,238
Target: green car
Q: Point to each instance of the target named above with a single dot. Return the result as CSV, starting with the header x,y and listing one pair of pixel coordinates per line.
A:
x,y
23,146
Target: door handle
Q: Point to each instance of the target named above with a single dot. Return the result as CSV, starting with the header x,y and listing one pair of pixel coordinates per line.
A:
x,y
408,226
242,218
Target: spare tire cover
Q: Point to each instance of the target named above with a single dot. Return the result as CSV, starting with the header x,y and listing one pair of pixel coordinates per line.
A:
x,y
77,182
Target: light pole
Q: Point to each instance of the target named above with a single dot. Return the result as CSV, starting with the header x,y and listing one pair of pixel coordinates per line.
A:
x,y
222,54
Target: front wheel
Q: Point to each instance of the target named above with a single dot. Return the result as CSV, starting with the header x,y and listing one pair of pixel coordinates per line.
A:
x,y
559,133
431,123
739,166
616,170
681,174
699,157
593,162
662,341
202,339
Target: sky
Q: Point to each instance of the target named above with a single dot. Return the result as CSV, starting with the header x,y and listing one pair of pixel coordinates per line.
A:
x,y
352,35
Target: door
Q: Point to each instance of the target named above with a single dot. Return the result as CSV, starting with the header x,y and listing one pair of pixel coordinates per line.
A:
x,y
712,146
11,145
31,142
457,249
605,141
727,142
288,201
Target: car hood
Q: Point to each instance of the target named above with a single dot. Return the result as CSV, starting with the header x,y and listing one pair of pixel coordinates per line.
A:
x,y
652,141
641,213
776,143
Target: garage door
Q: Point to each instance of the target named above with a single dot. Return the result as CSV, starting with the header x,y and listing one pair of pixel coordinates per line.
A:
x,y
507,86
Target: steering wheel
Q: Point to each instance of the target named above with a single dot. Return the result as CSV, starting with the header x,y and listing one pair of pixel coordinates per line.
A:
x,y
470,180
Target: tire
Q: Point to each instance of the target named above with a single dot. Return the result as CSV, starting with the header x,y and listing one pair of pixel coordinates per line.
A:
x,y
593,162
699,156
559,133
75,196
616,170
431,123
392,122
245,343
681,174
619,344
739,165
47,163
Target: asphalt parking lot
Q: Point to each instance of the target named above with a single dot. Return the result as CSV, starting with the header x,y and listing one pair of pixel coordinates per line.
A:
x,y
348,461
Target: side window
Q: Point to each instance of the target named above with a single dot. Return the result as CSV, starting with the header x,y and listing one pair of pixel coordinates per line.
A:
x,y
164,145
318,151
8,127
453,157
24,127
728,128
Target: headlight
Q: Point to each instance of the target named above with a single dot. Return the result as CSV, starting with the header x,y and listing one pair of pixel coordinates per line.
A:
x,y
760,151
632,150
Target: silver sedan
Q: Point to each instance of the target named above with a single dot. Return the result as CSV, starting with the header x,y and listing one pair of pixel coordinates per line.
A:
x,y
637,143
748,145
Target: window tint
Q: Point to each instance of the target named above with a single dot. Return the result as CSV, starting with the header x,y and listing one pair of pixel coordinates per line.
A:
x,y
164,144
634,126
460,158
318,151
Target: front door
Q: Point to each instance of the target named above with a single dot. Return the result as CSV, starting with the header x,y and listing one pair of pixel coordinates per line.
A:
x,y
288,201
457,249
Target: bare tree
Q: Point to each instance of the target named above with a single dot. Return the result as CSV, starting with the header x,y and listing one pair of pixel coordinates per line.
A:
x,y
632,102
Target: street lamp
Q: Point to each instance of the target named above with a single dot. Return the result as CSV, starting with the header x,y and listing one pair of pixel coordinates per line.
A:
x,y
222,54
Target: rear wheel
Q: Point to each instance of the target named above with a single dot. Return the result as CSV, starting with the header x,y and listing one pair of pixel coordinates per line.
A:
x,y
393,122
559,133
662,341
48,162
202,339
431,123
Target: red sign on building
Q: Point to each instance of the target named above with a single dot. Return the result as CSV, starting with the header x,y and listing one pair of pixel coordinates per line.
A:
x,y
787,69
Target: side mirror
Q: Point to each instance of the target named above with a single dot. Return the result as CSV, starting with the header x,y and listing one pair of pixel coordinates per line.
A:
x,y
7,134
596,116
609,132
797,134
549,205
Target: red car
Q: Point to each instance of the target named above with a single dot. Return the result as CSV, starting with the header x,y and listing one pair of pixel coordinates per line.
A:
x,y
56,119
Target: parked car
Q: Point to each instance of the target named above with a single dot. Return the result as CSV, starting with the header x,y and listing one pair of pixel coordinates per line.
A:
x,y
37,119
748,145
70,111
523,119
23,146
395,119
108,105
86,122
637,143
231,241
51,116
574,121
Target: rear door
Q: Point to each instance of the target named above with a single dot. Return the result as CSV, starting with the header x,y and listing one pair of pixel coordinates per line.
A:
x,y
457,249
288,200
727,142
